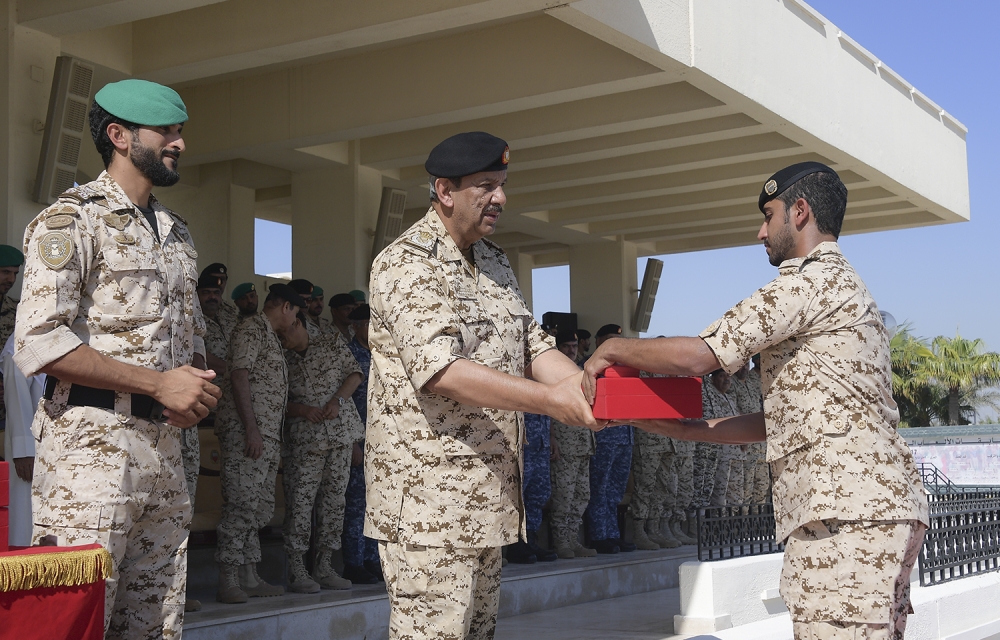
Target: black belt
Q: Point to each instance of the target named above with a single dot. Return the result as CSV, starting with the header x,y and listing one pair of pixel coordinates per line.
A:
x,y
143,406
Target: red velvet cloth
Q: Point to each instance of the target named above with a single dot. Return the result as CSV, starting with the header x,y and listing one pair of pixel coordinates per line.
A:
x,y
53,613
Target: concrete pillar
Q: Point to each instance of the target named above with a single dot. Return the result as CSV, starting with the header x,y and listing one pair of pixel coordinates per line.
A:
x,y
522,264
334,213
603,281
27,61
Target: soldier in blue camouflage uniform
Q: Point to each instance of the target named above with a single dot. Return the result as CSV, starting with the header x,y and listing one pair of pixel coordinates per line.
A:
x,y
536,487
361,562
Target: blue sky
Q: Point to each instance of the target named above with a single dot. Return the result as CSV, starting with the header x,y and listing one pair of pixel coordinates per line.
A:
x,y
940,278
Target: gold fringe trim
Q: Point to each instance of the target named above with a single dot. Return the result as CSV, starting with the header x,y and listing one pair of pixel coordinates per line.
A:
x,y
59,569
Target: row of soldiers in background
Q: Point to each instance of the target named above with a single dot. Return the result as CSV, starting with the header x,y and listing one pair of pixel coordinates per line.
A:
x,y
585,474
294,395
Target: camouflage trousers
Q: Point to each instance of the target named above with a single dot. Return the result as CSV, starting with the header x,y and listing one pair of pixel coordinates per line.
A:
x,y
654,480
103,478
537,485
317,477
727,487
247,497
757,476
841,577
441,592
357,548
570,495
706,461
191,453
678,504
609,471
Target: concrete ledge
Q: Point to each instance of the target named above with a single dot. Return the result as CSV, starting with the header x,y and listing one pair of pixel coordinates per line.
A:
x,y
729,593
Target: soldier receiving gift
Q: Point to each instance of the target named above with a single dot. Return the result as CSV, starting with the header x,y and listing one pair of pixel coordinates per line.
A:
x,y
110,313
847,495
456,356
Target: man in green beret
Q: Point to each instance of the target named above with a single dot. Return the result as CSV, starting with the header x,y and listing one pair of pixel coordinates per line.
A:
x,y
314,312
111,315
245,299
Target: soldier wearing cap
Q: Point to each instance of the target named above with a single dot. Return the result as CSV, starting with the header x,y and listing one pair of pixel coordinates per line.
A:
x,y
341,306
305,289
11,260
249,427
245,299
314,312
228,315
110,313
583,345
848,499
323,426
452,342
360,553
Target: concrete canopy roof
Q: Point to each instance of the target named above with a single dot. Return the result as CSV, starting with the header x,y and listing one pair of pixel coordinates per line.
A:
x,y
655,121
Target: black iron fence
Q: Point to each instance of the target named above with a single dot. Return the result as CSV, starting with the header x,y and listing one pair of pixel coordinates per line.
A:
x,y
964,536
736,531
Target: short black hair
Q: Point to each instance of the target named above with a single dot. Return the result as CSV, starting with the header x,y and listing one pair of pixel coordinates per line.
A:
x,y
432,180
99,121
826,194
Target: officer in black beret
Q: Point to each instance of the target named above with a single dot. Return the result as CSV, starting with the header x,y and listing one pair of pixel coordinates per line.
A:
x,y
451,336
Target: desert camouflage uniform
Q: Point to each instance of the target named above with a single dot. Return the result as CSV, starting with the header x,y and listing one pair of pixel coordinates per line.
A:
x,y
653,475
247,484
8,313
228,316
709,456
847,494
324,325
756,477
570,481
729,476
444,478
319,463
104,475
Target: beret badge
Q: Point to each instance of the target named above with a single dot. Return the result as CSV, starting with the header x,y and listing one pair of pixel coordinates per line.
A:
x,y
506,155
770,187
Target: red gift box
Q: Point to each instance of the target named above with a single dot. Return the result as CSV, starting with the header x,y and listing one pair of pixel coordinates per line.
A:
x,y
4,529
623,395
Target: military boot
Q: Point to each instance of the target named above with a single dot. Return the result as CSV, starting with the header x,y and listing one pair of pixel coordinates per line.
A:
x,y
678,531
662,528
254,586
229,591
580,551
640,538
298,578
563,545
324,574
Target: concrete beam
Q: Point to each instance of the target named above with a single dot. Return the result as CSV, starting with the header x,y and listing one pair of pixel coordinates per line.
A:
x,y
59,17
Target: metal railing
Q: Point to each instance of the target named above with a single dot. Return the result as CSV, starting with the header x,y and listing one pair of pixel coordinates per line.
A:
x,y
736,531
964,536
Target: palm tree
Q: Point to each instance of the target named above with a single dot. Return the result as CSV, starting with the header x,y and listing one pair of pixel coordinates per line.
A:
x,y
962,367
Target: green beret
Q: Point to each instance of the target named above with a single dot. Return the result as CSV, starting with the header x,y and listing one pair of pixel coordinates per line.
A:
x,y
782,180
358,294
142,102
468,153
317,291
243,289
10,256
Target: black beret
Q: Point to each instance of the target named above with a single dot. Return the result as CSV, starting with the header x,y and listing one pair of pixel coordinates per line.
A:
x,y
209,282
609,330
779,182
302,286
342,299
215,267
565,336
583,334
468,153
360,313
286,293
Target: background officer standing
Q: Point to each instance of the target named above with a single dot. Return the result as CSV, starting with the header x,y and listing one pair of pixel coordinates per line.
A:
x,y
452,343
848,500
110,314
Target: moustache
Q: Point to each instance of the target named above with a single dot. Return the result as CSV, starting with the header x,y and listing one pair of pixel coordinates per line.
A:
x,y
493,209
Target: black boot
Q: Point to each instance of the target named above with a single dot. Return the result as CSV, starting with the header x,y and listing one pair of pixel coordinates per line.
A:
x,y
374,567
543,555
606,546
625,547
521,553
357,574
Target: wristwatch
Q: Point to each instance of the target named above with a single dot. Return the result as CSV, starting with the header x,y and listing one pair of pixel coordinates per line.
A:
x,y
340,400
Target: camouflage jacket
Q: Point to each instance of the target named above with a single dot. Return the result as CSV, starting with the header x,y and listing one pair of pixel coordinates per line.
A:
x,y
254,346
440,472
827,383
747,393
313,377
96,274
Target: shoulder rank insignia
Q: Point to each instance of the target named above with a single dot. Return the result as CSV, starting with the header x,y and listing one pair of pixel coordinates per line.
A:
x,y
58,221
122,238
55,249
188,249
423,240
